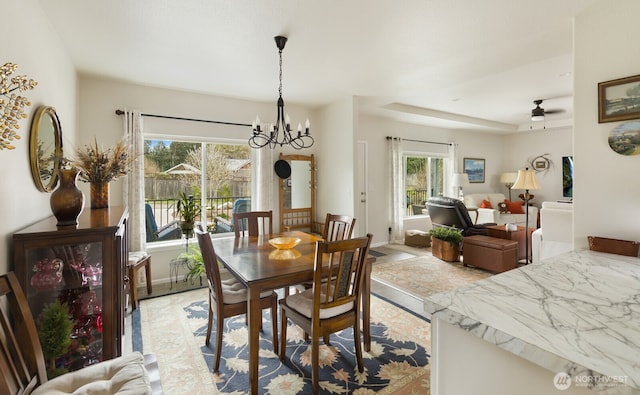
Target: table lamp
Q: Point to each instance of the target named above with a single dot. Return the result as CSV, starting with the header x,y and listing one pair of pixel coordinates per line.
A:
x,y
508,179
526,180
459,181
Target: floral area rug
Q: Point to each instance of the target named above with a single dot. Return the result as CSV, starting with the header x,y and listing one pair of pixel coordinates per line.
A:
x,y
174,328
425,275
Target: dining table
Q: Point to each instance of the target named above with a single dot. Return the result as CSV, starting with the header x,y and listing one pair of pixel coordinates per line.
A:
x,y
261,267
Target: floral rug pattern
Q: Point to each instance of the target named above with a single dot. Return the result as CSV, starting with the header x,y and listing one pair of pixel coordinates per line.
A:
x,y
397,363
393,355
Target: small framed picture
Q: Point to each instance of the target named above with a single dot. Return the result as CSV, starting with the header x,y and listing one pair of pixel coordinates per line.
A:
x,y
474,168
541,164
619,100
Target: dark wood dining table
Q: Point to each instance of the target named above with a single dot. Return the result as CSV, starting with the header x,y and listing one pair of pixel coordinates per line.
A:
x,y
259,266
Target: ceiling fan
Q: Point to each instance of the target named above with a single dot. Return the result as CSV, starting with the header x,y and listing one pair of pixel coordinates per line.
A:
x,y
538,113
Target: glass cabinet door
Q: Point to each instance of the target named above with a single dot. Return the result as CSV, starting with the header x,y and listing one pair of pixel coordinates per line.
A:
x,y
72,275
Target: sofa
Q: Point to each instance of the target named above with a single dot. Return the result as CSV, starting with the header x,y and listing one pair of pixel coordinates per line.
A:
x,y
490,211
555,234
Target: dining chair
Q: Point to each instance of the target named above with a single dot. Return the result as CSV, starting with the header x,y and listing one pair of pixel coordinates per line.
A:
x,y
22,364
229,297
333,303
253,223
338,227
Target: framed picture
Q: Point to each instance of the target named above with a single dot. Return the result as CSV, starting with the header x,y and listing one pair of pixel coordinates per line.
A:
x,y
474,168
619,100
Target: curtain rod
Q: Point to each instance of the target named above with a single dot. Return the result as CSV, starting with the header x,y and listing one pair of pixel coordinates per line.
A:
x,y
120,112
418,141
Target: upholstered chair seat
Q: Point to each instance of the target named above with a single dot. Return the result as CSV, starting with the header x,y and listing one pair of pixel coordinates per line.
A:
x,y
122,375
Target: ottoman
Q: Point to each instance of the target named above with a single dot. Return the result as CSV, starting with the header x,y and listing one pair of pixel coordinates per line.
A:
x,y
490,253
417,238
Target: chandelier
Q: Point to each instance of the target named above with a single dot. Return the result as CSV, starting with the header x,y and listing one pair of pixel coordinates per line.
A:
x,y
272,136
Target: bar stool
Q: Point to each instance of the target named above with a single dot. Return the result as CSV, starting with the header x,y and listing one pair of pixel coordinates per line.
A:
x,y
138,260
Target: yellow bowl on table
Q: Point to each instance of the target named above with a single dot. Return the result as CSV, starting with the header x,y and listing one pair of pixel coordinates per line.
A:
x,y
284,243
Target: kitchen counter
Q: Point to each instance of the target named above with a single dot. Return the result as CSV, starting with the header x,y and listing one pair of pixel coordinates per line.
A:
x,y
577,313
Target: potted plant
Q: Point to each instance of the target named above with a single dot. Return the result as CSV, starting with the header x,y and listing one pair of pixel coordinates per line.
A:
x,y
445,243
195,263
189,209
55,335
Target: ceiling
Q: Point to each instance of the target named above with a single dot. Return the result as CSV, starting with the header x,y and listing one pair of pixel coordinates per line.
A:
x,y
475,65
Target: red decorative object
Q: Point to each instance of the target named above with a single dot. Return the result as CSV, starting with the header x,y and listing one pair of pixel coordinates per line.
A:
x,y
48,274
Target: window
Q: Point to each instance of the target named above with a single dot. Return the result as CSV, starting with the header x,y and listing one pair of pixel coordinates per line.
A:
x,y
423,178
217,174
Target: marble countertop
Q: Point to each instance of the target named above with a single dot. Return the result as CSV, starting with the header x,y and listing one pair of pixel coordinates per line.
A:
x,y
577,313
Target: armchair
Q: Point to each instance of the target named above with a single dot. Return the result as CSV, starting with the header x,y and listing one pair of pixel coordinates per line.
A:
x,y
448,211
555,235
170,231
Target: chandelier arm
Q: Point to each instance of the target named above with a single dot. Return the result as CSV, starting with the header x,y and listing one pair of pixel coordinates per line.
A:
x,y
271,135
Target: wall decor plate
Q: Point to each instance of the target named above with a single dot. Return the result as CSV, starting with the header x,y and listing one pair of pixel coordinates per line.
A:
x,y
624,139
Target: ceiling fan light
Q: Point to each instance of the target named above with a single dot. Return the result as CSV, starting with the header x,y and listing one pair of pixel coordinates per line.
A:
x,y
536,118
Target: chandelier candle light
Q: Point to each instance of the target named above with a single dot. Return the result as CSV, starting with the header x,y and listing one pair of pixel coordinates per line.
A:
x,y
272,137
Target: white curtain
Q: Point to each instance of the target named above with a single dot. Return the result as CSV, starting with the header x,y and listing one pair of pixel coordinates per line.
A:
x,y
453,168
134,181
262,187
398,200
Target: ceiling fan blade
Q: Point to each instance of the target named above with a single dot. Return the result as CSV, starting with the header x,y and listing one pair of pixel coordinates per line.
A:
x,y
554,111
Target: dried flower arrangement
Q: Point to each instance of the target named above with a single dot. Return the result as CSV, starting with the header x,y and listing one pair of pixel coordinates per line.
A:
x,y
12,106
99,166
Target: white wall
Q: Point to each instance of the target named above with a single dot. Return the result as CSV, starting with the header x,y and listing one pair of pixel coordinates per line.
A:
x,y
336,160
33,46
606,188
521,148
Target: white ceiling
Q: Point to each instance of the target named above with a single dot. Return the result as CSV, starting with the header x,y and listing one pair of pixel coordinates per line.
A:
x,y
455,63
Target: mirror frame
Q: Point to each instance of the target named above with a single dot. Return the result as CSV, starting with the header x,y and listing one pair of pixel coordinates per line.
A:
x,y
45,113
303,218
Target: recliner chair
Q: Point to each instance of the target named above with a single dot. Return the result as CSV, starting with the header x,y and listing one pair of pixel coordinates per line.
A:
x,y
451,212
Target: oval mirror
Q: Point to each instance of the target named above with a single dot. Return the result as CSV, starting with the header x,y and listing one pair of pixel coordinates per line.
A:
x,y
45,148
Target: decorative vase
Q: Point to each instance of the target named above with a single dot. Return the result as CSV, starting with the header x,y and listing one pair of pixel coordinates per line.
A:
x,y
67,200
100,195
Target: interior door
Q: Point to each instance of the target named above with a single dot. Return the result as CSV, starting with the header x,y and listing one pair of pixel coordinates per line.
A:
x,y
361,189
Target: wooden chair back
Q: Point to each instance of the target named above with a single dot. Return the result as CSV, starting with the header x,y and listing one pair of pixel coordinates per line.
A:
x,y
210,265
22,367
338,268
338,227
253,223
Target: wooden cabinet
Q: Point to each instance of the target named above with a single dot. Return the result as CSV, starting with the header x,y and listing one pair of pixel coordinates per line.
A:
x,y
83,267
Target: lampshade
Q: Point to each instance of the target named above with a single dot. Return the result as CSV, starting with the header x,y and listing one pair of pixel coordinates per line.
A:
x,y
508,178
526,180
460,180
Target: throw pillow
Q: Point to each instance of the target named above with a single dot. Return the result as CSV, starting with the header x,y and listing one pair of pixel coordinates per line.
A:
x,y
514,207
485,204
